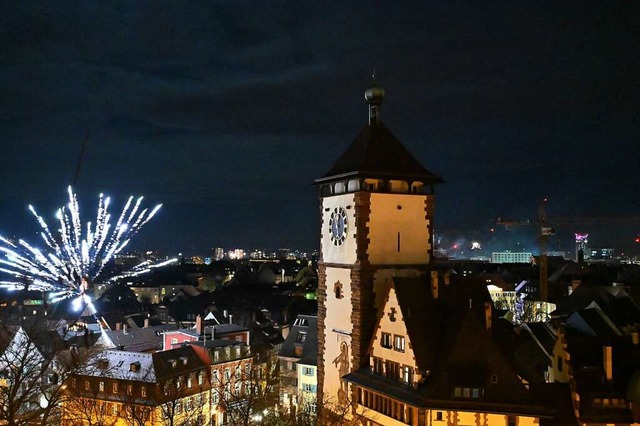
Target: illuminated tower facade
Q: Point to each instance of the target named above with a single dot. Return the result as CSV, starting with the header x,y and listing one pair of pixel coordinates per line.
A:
x,y
582,247
376,222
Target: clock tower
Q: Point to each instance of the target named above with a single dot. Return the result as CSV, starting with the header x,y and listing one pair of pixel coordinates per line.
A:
x,y
376,222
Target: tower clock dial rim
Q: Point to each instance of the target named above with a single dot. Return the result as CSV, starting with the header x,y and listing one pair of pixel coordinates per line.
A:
x,y
338,225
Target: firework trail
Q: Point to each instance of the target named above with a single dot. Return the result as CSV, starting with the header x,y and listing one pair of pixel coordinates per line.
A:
x,y
73,259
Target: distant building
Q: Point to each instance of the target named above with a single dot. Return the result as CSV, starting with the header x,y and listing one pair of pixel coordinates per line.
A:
x,y
601,253
582,246
511,257
218,253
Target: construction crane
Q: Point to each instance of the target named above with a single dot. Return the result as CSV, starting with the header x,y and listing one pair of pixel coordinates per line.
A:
x,y
80,158
545,231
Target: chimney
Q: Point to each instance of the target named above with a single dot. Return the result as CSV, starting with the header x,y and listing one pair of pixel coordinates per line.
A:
x,y
230,319
487,316
199,328
124,328
213,332
434,284
607,362
118,326
225,313
146,323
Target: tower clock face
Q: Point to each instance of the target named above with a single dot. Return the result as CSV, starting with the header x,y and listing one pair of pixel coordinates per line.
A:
x,y
338,226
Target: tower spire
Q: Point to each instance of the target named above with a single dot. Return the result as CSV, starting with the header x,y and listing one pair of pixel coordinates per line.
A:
x,y
374,97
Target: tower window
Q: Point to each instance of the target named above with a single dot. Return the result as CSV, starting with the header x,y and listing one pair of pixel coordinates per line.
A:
x,y
337,289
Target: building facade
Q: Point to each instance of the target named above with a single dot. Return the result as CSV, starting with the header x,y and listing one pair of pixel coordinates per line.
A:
x,y
400,341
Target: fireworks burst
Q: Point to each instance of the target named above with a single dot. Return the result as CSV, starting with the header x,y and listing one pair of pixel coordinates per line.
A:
x,y
73,259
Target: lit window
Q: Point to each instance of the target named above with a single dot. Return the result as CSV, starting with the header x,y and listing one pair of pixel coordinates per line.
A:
x,y
129,389
227,374
87,385
406,374
114,387
238,372
101,386
398,343
385,340
308,387
143,392
237,388
200,378
189,382
174,341
114,409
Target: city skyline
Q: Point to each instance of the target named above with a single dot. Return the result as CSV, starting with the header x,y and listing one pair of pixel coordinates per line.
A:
x,y
227,113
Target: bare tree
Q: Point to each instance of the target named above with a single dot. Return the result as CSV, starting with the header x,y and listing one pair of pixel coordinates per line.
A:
x,y
184,403
245,395
34,364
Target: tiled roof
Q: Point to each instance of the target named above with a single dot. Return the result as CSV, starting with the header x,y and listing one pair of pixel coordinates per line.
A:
x,y
377,153
144,367
139,339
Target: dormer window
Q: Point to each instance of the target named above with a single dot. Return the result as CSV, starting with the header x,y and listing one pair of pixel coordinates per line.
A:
x,y
134,367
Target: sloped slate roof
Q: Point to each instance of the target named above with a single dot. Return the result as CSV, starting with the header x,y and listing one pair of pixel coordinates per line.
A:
x,y
377,153
309,354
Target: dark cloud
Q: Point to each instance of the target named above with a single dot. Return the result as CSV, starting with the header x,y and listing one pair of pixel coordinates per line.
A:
x,y
227,111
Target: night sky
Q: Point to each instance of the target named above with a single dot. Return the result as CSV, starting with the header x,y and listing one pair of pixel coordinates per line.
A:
x,y
227,111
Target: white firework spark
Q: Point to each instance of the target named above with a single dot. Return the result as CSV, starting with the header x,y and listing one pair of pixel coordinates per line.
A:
x,y
72,259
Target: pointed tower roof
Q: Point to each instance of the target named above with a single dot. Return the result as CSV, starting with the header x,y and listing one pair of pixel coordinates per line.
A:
x,y
377,153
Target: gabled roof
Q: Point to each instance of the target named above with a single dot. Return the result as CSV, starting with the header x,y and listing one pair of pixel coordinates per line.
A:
x,y
444,315
451,347
377,153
